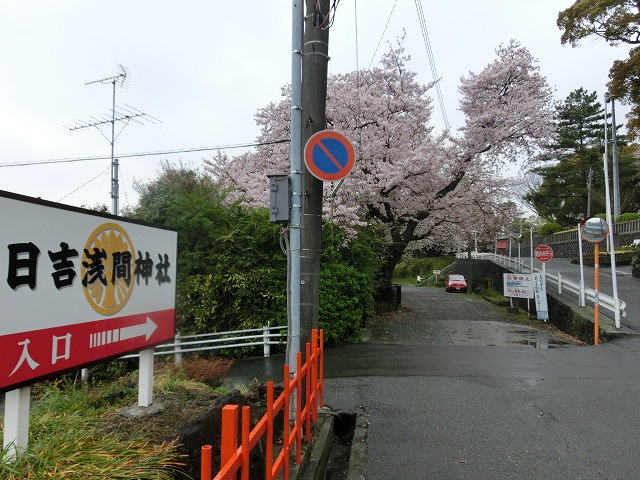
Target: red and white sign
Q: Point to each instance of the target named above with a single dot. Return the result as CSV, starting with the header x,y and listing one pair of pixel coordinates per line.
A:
x,y
77,287
543,253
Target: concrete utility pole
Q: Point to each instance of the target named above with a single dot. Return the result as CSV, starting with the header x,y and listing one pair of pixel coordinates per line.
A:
x,y
314,98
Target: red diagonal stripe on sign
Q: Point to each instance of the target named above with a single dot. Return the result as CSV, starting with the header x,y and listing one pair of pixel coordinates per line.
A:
x,y
331,157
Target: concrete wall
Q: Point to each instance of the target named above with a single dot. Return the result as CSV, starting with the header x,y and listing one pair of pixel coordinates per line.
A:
x,y
565,245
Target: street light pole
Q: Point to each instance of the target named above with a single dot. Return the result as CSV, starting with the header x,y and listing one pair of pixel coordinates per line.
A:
x,y
295,177
614,152
612,249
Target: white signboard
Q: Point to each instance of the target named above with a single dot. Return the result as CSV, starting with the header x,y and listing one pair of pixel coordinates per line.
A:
x,y
77,286
517,285
540,295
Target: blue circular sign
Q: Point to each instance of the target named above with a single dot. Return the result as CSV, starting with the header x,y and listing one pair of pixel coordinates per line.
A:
x,y
329,155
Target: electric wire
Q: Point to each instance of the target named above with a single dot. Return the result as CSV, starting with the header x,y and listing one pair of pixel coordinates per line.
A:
x,y
143,154
332,14
82,186
382,36
434,71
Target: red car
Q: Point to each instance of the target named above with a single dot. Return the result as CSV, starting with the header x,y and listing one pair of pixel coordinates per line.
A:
x,y
455,283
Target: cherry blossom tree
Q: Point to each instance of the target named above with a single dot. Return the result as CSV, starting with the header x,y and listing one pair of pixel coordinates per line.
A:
x,y
423,188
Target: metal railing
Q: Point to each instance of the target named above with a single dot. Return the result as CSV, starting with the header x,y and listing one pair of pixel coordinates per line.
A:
x,y
432,278
583,293
182,344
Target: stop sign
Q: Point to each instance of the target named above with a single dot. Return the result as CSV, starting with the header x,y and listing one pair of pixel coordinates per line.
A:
x,y
543,253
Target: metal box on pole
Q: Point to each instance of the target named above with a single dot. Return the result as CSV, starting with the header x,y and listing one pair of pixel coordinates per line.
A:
x,y
279,197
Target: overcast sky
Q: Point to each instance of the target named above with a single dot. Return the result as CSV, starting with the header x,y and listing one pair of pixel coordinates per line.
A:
x,y
203,68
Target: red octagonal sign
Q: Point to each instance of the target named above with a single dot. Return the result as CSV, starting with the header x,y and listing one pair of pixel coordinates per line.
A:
x,y
543,253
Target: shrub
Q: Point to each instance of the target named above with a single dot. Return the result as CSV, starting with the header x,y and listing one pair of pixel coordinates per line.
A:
x,y
550,228
626,217
342,292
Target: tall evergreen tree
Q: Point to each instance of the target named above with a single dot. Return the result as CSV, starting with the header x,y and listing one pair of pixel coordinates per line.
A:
x,y
618,22
568,192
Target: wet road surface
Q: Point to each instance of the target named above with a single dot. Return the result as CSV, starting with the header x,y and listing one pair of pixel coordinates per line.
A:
x,y
431,316
450,392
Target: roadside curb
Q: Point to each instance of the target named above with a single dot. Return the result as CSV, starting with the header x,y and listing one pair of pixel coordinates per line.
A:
x,y
316,456
358,456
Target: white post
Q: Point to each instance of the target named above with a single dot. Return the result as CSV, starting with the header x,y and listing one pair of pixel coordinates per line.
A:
x,y
145,382
581,297
531,247
178,354
295,176
612,248
265,338
16,422
559,283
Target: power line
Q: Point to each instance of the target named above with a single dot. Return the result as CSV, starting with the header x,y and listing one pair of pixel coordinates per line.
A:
x,y
434,71
382,36
81,186
143,154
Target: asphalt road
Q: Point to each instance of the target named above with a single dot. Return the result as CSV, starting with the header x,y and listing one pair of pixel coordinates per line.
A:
x,y
449,392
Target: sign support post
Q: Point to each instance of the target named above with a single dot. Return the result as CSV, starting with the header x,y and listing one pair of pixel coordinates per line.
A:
x,y
16,421
595,230
596,293
145,380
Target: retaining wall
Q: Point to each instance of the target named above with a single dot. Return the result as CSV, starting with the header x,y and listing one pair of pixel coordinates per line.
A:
x,y
565,245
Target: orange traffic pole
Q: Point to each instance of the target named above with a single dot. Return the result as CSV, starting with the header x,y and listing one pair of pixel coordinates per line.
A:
x,y
596,287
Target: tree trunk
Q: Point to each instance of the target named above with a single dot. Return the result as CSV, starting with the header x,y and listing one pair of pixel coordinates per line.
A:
x,y
394,252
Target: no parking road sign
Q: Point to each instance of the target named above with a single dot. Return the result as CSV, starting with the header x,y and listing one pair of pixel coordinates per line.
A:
x,y
329,155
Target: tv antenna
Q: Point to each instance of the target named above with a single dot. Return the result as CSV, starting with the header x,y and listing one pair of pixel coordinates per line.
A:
x,y
125,114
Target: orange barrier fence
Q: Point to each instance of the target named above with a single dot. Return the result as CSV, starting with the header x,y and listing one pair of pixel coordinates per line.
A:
x,y
234,456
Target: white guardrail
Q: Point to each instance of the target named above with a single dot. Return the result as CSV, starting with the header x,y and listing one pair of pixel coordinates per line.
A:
x,y
584,293
265,336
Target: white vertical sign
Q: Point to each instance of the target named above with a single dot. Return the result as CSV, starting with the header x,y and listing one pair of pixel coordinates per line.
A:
x,y
540,295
